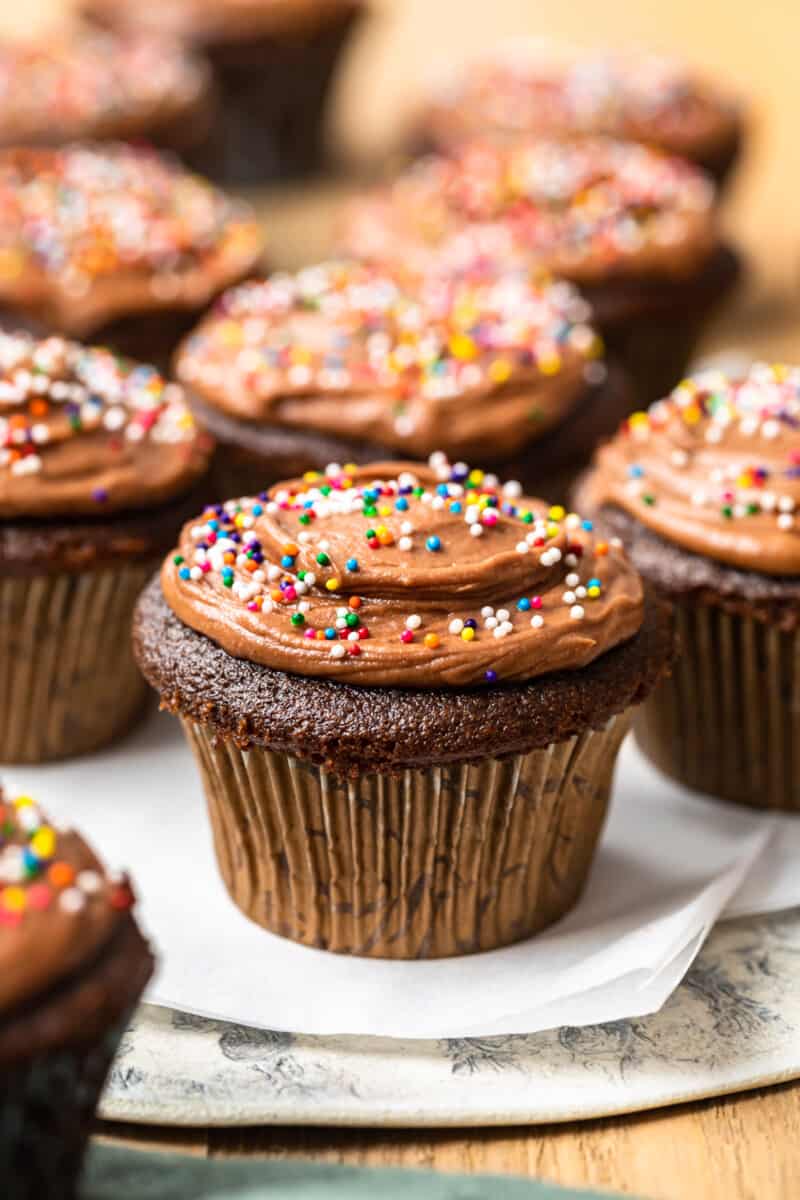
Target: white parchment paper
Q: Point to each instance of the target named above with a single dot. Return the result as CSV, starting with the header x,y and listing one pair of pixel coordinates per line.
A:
x,y
669,865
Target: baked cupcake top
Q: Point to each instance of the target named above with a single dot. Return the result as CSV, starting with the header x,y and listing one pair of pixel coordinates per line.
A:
x,y
82,431
83,83
715,469
89,233
351,349
58,906
541,88
212,21
586,210
403,574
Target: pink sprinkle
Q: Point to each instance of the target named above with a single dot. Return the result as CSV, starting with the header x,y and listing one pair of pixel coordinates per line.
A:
x,y
406,636
536,602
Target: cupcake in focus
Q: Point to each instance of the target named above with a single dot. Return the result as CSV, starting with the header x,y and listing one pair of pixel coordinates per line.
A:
x,y
274,64
82,84
115,244
73,965
353,363
704,490
633,229
544,89
100,464
405,687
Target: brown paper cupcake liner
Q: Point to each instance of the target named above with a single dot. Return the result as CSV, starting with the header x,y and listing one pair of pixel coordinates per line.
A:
x,y
727,721
430,863
68,682
47,1107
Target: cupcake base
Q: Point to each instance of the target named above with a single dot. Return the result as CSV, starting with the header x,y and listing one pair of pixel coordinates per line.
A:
x,y
727,722
653,328
69,683
54,1059
272,94
250,458
429,863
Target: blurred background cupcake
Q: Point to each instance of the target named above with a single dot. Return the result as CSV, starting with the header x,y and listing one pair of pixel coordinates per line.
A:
x,y
274,62
73,965
115,244
634,229
351,363
405,687
704,490
100,460
533,88
76,83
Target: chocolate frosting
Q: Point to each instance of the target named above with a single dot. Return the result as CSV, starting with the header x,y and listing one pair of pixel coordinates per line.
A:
x,y
714,469
89,233
401,574
212,21
544,89
470,364
83,83
84,432
58,907
586,210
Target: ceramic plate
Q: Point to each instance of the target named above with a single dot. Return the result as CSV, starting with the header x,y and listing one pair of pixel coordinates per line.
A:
x,y
734,1023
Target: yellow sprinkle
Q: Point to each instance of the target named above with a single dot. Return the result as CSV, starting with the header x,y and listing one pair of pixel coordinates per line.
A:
x,y
350,468
557,513
462,347
13,899
553,530
476,477
468,633
331,584
311,476
23,802
500,370
43,842
550,364
385,510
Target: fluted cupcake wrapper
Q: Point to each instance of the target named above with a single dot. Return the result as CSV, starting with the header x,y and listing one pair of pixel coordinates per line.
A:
x,y
727,721
68,682
47,1106
430,863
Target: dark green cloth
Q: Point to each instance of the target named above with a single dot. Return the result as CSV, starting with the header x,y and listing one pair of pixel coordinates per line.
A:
x,y
117,1174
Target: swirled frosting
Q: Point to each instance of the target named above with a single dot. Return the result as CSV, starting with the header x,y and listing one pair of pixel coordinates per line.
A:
x,y
354,350
82,431
90,233
584,210
401,574
540,88
85,83
210,21
714,468
58,907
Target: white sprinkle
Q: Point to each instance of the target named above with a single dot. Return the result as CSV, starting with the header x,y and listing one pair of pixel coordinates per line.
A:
x,y
310,579
406,528
476,530
414,621
538,621
89,882
487,611
522,547
580,593
786,521
337,650
71,900
568,597
404,543
456,625
491,622
502,614
572,580
576,612
786,504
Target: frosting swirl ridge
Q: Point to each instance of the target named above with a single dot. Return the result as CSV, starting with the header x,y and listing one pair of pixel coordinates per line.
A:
x,y
401,574
82,431
714,468
344,348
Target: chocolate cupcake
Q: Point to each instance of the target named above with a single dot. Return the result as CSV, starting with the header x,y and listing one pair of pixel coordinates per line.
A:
x,y
704,491
99,467
115,244
274,62
543,89
73,965
351,363
633,229
405,687
85,84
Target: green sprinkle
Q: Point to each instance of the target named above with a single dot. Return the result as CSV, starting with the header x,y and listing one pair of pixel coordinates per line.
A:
x,y
323,559
298,619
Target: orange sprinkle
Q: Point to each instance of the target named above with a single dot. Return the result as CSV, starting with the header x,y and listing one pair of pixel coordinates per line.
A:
x,y
60,874
354,602
431,640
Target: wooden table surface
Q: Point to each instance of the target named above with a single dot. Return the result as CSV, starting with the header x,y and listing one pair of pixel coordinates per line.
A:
x,y
741,1147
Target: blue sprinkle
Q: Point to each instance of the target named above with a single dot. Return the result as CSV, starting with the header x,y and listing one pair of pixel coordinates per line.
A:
x,y
330,634
594,583
402,504
433,543
441,489
524,604
287,561
352,564
257,510
456,507
587,525
491,676
635,471
185,573
470,623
